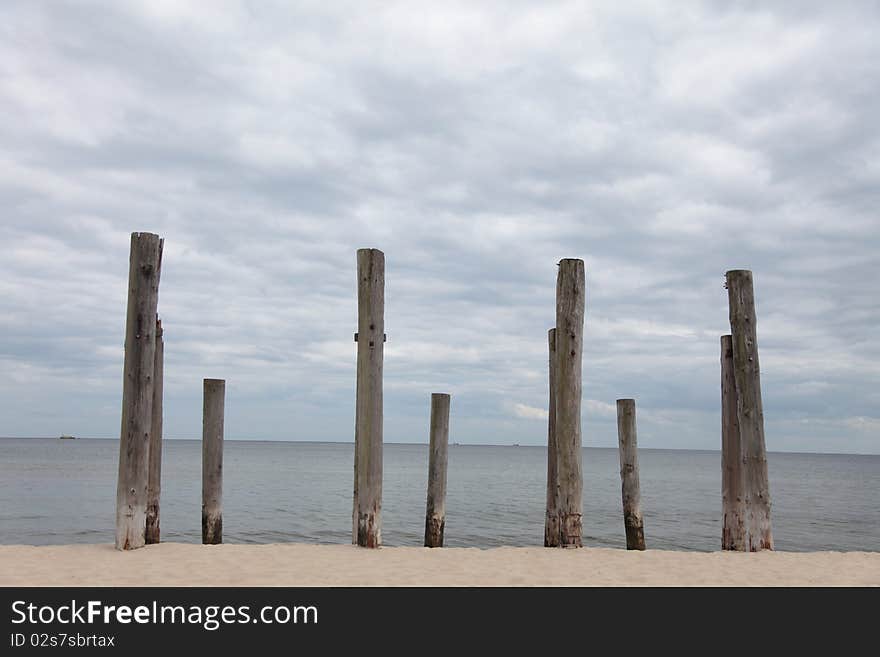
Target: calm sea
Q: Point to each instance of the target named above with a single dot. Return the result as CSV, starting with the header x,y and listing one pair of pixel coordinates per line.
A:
x,y
63,491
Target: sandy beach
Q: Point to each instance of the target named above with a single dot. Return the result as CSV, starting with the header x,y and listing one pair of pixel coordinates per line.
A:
x,y
177,564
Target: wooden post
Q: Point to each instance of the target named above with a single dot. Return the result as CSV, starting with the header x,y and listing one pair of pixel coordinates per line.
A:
x,y
551,518
154,476
145,261
368,427
354,496
749,409
570,293
435,513
214,393
733,523
629,474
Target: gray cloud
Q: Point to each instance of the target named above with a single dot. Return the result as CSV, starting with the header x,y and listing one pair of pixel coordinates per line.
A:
x,y
476,145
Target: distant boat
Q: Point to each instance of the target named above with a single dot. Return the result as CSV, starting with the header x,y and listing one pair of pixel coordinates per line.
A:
x,y
66,437
516,444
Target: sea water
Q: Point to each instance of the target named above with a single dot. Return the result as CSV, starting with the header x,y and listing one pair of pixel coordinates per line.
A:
x,y
64,491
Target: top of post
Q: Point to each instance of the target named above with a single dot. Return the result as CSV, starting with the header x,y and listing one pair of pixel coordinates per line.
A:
x,y
147,246
737,274
570,260
739,278
371,259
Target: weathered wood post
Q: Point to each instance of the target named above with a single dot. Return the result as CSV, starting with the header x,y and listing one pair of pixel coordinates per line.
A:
x,y
154,476
629,474
145,261
570,300
551,518
733,522
435,512
354,496
368,421
213,403
749,409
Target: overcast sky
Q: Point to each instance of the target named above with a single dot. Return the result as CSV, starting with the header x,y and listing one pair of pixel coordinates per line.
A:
x,y
476,144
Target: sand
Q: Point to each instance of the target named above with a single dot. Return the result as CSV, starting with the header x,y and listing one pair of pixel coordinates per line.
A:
x,y
178,564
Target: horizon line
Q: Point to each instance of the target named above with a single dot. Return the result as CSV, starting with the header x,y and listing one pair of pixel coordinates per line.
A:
x,y
456,444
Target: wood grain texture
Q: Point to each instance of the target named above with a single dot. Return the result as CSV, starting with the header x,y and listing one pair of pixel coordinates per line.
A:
x,y
435,511
145,259
570,301
551,516
213,410
629,474
154,475
368,418
733,535
749,409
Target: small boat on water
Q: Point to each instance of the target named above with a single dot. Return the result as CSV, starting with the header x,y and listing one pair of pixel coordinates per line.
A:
x,y
66,437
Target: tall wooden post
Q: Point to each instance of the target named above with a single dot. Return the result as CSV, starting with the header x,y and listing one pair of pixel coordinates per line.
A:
x,y
368,428
551,518
629,474
570,299
145,261
749,409
732,520
154,476
213,403
435,513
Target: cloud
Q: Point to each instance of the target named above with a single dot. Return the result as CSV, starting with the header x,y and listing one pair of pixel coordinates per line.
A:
x,y
530,412
476,145
600,409
866,424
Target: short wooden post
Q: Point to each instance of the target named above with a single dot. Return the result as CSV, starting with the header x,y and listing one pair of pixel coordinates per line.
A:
x,y
435,513
145,261
154,477
213,403
551,517
354,496
570,300
629,474
732,523
368,420
749,409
